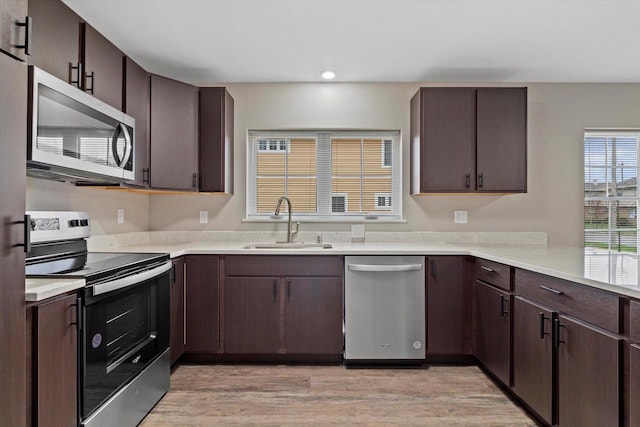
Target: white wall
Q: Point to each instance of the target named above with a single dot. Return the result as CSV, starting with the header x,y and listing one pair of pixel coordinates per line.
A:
x,y
558,115
102,205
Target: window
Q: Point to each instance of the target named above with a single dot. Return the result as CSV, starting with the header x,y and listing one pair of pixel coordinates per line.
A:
x,y
339,202
328,175
386,153
383,200
611,190
272,145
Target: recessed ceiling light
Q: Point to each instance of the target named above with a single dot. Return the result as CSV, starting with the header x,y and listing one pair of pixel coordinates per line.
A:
x,y
328,75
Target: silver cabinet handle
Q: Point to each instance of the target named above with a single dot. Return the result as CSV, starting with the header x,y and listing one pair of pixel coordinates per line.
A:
x,y
384,267
490,270
130,280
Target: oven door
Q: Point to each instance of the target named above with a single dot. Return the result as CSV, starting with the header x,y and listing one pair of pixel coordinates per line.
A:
x,y
125,328
74,133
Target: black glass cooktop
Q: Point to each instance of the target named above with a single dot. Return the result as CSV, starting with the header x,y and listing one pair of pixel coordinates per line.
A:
x,y
93,265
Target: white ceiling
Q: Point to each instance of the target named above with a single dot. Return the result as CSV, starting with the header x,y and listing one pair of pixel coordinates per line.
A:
x,y
214,41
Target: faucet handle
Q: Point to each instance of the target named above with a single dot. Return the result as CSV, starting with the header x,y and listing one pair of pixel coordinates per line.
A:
x,y
295,233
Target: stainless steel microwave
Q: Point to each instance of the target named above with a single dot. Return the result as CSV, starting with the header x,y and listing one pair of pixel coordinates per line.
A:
x,y
75,137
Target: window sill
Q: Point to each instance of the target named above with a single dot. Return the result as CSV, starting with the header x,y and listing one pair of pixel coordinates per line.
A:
x,y
319,219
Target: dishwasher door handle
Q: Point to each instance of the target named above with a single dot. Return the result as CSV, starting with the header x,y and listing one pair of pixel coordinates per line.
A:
x,y
385,267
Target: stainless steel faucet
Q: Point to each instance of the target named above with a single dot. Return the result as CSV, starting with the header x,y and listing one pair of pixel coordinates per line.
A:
x,y
290,233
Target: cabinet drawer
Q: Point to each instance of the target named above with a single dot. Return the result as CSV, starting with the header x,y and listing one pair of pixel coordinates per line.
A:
x,y
283,265
634,321
592,305
493,273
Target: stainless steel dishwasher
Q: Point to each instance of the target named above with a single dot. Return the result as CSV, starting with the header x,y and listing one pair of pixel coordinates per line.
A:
x,y
384,308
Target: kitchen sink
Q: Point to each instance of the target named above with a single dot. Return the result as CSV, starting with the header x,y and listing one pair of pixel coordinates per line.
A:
x,y
285,245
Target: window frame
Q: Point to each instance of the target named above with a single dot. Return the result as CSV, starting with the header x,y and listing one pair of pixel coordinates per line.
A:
x,y
323,177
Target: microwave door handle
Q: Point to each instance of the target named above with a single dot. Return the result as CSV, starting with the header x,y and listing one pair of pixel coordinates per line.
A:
x,y
121,128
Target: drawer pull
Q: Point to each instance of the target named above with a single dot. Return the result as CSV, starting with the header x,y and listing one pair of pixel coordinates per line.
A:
x,y
487,269
553,291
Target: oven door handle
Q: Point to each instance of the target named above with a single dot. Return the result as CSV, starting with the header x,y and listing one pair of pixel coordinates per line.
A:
x,y
134,279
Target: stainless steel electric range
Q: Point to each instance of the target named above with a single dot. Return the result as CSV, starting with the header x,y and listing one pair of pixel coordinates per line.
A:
x,y
123,321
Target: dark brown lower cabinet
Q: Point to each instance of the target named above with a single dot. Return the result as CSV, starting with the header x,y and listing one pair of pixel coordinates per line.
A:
x,y
634,386
283,306
492,330
533,357
177,310
202,312
313,315
55,358
447,322
251,315
588,374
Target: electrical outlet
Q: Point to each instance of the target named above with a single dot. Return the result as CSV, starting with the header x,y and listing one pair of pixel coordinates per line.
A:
x,y
204,217
120,216
357,232
460,217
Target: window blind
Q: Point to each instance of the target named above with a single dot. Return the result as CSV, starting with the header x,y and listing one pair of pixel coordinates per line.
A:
x,y
611,190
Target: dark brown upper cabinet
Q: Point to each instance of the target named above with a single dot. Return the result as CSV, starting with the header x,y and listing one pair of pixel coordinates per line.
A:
x,y
173,146
466,140
215,140
73,51
102,67
56,40
15,29
135,103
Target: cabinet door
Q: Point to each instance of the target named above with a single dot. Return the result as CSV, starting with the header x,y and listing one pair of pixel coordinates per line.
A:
x,y
588,375
102,67
201,293
174,130
502,139
446,314
13,134
136,105
313,319
251,315
11,34
177,310
533,356
56,39
216,140
449,139
56,363
493,330
634,389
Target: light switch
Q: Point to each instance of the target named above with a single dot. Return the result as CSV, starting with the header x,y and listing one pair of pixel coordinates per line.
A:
x,y
460,217
204,217
120,216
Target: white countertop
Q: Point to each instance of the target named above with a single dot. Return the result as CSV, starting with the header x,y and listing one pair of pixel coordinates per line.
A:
x,y
596,268
40,289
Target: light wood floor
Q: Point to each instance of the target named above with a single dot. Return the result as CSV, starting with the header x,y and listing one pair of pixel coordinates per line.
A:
x,y
232,395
